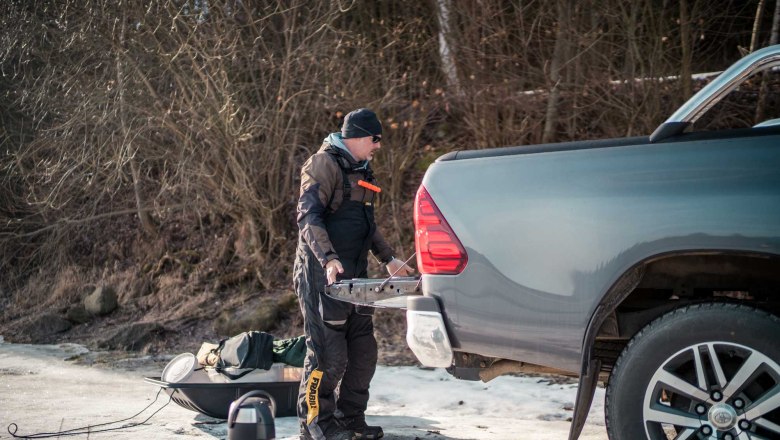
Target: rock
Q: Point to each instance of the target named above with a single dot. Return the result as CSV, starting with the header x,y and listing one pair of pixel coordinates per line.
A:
x,y
101,301
41,327
133,336
261,315
78,314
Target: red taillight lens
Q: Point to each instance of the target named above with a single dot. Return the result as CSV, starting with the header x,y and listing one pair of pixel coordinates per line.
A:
x,y
439,251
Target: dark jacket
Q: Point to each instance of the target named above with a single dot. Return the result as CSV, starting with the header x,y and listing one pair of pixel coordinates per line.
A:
x,y
322,192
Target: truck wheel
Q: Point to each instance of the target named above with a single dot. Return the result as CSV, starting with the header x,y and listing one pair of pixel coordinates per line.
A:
x,y
706,371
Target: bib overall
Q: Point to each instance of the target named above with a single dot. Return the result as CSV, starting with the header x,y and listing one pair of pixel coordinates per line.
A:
x,y
340,336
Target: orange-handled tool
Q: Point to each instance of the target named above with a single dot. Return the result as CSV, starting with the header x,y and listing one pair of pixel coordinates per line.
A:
x,y
367,185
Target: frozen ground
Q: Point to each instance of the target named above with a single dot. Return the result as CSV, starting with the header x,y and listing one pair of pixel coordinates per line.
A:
x,y
41,392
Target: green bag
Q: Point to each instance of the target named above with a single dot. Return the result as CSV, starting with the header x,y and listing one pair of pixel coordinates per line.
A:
x,y
290,351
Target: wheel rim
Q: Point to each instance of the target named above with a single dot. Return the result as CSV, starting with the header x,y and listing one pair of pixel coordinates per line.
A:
x,y
714,390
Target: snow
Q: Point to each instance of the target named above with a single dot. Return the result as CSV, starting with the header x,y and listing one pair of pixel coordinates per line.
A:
x,y
40,391
503,408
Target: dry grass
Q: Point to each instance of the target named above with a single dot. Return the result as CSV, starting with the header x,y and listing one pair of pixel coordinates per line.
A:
x,y
155,145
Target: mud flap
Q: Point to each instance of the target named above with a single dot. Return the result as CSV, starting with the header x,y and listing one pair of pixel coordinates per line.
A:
x,y
585,391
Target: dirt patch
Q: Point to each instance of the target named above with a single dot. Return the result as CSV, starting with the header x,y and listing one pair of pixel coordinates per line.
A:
x,y
197,281
133,337
122,360
15,372
390,332
39,328
139,326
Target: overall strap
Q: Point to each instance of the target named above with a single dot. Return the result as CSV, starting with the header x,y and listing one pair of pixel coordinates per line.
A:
x,y
369,174
345,168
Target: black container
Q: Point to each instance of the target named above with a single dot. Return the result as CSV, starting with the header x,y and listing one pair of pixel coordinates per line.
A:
x,y
214,399
251,417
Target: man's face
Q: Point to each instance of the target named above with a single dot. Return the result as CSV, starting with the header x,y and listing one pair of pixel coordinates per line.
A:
x,y
364,148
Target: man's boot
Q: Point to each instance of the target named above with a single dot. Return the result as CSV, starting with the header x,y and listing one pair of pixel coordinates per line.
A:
x,y
338,435
334,432
361,430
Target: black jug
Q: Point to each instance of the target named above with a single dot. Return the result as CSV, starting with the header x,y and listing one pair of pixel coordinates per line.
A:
x,y
251,417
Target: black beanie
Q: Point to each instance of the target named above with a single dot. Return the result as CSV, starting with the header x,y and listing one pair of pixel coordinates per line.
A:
x,y
360,123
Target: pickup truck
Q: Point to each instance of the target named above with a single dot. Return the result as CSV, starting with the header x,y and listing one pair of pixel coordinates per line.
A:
x,y
651,263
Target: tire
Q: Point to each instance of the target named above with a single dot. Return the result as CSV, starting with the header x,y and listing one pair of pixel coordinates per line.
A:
x,y
666,386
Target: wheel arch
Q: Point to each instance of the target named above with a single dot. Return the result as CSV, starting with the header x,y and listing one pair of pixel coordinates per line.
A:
x,y
662,282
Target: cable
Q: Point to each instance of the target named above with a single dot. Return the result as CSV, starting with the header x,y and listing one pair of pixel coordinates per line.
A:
x,y
89,428
80,431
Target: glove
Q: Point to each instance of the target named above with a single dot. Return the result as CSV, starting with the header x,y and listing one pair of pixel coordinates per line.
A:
x,y
398,268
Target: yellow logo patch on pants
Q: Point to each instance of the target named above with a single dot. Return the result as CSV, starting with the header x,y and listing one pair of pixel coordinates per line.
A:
x,y
312,395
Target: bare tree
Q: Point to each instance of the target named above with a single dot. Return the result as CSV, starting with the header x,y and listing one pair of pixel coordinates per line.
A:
x,y
774,38
180,127
557,65
445,52
687,53
125,132
756,25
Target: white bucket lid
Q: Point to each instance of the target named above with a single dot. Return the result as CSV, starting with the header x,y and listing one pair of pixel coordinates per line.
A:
x,y
180,368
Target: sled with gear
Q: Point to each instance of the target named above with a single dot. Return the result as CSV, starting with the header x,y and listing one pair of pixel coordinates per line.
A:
x,y
255,361
221,373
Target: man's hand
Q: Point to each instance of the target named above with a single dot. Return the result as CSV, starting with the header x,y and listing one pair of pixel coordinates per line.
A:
x,y
398,268
333,268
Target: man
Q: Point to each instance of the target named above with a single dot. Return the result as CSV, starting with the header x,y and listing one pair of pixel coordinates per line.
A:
x,y
336,231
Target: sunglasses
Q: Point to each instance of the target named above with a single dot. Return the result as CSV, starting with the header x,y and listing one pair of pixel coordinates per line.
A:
x,y
375,138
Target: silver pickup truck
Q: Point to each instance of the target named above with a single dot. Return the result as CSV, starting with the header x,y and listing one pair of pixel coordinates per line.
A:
x,y
652,263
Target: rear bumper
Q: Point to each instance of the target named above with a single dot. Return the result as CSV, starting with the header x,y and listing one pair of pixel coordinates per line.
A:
x,y
426,333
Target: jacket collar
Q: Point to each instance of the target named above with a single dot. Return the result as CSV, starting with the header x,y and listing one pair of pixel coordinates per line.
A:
x,y
334,142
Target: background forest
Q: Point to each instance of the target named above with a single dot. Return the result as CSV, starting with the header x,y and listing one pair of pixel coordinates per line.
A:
x,y
153,147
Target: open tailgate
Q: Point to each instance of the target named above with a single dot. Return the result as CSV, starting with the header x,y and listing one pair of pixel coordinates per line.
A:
x,y
381,293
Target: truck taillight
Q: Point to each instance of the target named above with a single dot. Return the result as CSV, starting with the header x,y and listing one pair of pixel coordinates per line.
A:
x,y
439,252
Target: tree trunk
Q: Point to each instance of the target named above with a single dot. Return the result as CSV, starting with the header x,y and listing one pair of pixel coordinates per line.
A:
x,y
447,59
143,213
557,64
630,12
685,45
756,26
773,39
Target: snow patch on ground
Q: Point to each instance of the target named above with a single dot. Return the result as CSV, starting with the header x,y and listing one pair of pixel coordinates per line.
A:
x,y
41,392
